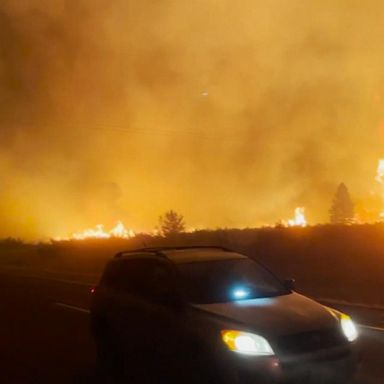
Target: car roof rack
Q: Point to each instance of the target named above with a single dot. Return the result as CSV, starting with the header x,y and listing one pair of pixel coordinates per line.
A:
x,y
159,250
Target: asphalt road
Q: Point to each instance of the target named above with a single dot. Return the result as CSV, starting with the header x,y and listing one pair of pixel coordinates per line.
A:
x,y
44,335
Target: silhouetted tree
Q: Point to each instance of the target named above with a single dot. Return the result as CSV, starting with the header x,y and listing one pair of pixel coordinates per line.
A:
x,y
342,209
171,223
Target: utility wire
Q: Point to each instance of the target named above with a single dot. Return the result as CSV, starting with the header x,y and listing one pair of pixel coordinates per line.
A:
x,y
123,129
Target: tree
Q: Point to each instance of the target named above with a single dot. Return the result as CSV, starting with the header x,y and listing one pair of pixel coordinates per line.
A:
x,y
342,210
171,223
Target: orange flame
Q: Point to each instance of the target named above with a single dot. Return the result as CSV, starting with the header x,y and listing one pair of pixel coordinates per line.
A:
x,y
299,220
119,231
380,179
380,172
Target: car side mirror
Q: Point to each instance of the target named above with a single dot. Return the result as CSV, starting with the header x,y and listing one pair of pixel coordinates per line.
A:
x,y
290,284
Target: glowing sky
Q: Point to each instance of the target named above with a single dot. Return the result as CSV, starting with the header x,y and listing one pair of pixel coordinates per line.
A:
x,y
232,113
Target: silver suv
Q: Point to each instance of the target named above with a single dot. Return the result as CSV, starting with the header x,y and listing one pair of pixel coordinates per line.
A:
x,y
209,314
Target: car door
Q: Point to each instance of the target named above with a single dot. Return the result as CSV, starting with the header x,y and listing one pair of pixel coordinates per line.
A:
x,y
144,316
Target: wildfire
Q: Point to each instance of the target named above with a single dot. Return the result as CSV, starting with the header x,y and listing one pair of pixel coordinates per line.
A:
x,y
119,231
299,220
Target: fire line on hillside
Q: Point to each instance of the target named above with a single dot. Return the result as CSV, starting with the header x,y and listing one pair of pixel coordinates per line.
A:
x,y
119,231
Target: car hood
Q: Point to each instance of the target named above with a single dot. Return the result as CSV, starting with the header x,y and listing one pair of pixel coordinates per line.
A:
x,y
280,315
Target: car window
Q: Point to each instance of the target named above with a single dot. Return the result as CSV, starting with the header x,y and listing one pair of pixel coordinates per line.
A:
x,y
110,274
140,276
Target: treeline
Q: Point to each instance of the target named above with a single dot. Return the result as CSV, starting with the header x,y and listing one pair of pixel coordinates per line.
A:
x,y
13,243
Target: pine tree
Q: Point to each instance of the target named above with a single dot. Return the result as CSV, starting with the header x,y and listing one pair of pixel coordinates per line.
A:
x,y
171,223
342,209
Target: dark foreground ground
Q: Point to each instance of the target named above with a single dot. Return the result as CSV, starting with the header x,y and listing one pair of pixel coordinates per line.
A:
x,y
44,336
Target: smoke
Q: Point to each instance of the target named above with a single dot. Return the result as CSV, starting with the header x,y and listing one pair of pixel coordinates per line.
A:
x,y
232,114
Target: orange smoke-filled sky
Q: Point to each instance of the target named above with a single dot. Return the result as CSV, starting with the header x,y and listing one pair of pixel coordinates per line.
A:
x,y
232,113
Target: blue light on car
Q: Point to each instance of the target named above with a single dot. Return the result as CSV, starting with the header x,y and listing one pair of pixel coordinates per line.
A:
x,y
240,293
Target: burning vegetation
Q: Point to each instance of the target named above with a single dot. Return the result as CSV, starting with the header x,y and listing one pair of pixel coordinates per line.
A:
x,y
299,220
118,232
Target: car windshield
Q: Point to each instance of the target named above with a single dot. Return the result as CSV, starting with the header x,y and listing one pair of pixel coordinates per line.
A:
x,y
227,280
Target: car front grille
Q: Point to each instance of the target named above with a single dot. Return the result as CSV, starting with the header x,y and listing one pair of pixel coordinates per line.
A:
x,y
310,341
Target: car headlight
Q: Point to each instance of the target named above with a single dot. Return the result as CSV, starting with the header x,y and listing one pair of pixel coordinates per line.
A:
x,y
246,343
348,327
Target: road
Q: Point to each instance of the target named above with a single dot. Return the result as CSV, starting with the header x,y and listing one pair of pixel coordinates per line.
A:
x,y
44,334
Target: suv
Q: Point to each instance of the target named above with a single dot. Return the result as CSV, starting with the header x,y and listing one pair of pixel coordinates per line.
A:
x,y
209,314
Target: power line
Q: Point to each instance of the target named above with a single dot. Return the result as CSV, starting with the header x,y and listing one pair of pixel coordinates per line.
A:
x,y
124,129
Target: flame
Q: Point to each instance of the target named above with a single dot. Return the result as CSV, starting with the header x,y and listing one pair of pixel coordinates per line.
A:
x,y
299,219
119,231
380,172
380,179
97,233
